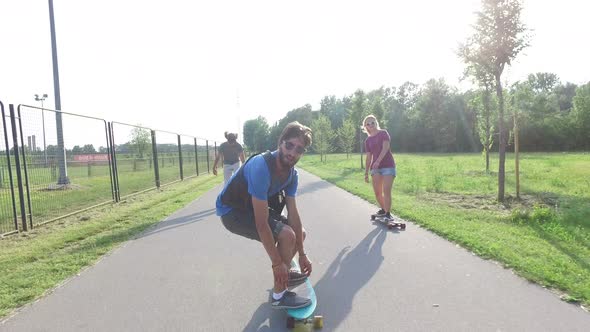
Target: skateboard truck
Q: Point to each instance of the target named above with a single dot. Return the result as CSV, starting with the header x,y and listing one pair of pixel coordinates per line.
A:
x,y
390,224
316,321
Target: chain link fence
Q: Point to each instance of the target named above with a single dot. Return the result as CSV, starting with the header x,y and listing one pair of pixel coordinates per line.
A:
x,y
55,164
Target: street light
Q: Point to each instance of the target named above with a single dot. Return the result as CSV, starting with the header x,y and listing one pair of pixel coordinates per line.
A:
x,y
41,99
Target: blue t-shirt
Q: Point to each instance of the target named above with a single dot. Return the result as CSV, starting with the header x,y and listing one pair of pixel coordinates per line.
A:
x,y
260,186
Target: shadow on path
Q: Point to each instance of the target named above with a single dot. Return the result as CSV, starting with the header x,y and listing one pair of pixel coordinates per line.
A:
x,y
178,222
313,186
346,275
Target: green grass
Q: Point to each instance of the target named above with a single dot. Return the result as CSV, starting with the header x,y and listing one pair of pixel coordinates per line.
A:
x,y
90,185
544,236
37,261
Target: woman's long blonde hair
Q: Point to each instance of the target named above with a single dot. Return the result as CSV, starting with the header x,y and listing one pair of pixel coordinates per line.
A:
x,y
370,116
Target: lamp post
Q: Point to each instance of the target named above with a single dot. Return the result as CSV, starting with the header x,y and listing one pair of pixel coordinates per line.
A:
x,y
41,99
61,151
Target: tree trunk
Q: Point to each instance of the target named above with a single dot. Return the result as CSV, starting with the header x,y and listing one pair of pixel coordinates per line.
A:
x,y
486,105
516,166
502,140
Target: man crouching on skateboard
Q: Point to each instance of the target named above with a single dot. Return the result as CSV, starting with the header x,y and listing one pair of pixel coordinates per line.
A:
x,y
251,203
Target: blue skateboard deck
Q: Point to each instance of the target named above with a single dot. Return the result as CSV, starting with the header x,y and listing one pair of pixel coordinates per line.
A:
x,y
303,314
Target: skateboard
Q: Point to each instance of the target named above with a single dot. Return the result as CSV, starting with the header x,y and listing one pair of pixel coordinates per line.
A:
x,y
303,315
389,224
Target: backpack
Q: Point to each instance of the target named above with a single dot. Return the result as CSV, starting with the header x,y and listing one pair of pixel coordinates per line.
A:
x,y
237,196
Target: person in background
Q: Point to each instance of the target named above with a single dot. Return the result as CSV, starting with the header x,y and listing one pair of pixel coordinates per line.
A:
x,y
232,153
380,164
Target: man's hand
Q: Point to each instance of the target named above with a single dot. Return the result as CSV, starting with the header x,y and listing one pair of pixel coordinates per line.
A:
x,y
305,265
281,275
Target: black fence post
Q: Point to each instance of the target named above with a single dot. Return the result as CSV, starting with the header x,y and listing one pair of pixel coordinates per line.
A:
x,y
180,157
18,170
15,218
155,157
22,144
114,164
107,131
196,156
207,147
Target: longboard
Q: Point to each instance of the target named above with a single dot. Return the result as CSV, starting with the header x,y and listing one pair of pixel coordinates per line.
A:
x,y
303,314
388,223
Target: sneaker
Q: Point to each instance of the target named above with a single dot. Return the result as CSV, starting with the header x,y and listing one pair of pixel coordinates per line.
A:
x,y
388,217
296,278
380,213
290,300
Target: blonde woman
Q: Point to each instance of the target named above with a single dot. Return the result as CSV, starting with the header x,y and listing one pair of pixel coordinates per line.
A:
x,y
380,164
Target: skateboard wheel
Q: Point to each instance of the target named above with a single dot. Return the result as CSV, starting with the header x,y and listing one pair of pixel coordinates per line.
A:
x,y
403,226
290,322
390,226
372,217
318,322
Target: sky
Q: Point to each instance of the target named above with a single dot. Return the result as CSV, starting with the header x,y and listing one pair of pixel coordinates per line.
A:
x,y
200,68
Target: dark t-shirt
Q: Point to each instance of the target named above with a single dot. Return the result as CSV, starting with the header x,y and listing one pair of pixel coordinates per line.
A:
x,y
374,144
231,152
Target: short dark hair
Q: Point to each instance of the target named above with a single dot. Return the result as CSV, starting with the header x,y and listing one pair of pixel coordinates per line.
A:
x,y
296,129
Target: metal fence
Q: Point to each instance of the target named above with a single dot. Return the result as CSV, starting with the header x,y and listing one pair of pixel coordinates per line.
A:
x,y
55,164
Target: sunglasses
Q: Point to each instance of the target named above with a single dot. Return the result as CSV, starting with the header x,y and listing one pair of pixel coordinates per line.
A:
x,y
290,146
369,124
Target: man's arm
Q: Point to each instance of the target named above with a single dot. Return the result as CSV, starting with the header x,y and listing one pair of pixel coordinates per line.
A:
x,y
266,237
215,162
295,222
279,269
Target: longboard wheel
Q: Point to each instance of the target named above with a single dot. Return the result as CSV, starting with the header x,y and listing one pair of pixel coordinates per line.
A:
x,y
318,322
403,226
290,322
373,217
390,226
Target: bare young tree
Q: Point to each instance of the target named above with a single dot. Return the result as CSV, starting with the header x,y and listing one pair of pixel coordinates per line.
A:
x,y
498,38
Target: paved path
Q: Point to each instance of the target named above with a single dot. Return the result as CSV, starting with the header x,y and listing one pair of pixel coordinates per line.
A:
x,y
189,274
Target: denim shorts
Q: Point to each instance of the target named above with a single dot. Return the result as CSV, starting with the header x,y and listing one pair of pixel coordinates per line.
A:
x,y
242,223
384,171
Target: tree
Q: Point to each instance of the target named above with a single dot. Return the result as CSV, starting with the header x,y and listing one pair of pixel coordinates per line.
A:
x,y
581,115
141,140
521,97
480,72
356,113
498,38
481,102
334,109
88,149
255,134
322,136
345,137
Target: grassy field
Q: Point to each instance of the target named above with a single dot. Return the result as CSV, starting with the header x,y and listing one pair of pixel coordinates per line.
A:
x,y
544,236
34,262
90,185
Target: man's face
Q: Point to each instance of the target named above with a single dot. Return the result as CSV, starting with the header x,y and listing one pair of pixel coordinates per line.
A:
x,y
290,151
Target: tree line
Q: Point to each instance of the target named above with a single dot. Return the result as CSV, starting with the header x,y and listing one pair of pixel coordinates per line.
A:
x,y
537,114
436,117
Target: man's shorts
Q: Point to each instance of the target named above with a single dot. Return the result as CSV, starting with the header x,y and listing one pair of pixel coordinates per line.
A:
x,y
384,171
242,223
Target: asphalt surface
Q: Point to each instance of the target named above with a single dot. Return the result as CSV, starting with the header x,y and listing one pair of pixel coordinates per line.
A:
x,y
189,274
